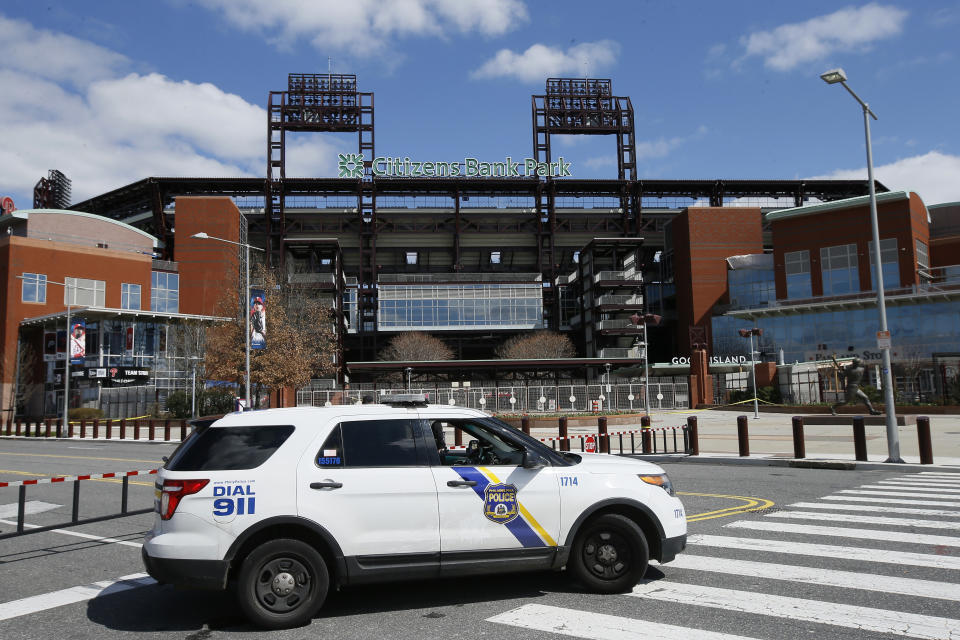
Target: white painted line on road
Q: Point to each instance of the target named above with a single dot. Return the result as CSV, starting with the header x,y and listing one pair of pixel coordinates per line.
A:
x,y
905,494
826,551
845,532
78,534
826,577
929,503
35,604
911,625
944,474
943,513
849,517
927,489
950,487
930,479
30,507
599,626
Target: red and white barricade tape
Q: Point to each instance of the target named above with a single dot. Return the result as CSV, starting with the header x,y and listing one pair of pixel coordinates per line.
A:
x,y
89,476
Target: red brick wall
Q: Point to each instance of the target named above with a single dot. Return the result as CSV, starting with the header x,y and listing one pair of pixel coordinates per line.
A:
x,y
703,238
905,220
209,269
58,260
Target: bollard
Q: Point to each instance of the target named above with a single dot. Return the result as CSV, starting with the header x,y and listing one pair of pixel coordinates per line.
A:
x,y
152,429
457,436
59,427
108,428
49,425
564,441
859,439
10,426
525,424
743,437
69,429
799,446
645,445
123,428
923,437
166,430
18,426
694,436
136,429
604,444
83,428
96,428
183,430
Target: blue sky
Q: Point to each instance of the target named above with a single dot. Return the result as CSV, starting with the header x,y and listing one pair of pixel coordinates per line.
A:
x,y
113,91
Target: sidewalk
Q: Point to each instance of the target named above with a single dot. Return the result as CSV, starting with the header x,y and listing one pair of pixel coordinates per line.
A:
x,y
771,438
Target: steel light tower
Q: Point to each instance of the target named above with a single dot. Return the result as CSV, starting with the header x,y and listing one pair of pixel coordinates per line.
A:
x,y
838,76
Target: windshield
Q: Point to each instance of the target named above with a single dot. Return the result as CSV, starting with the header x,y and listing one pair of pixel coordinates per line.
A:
x,y
557,458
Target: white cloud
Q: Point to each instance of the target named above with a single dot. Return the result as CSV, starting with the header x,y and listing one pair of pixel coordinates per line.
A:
x,y
848,30
104,129
540,61
366,27
933,175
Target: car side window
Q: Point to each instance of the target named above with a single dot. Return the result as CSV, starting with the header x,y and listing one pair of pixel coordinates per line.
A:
x,y
376,443
330,455
484,445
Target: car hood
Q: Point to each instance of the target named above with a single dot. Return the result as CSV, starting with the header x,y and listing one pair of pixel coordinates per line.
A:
x,y
606,463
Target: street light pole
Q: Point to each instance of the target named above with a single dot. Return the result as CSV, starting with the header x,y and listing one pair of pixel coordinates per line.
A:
x,y
66,365
645,319
246,301
749,333
838,76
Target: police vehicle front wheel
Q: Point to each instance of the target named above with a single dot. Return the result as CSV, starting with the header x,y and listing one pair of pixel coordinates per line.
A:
x,y
609,554
282,584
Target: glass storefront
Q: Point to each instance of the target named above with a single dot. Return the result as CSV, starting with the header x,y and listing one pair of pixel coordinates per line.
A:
x,y
918,330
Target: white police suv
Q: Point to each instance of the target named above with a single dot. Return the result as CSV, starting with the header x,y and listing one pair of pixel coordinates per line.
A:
x,y
282,504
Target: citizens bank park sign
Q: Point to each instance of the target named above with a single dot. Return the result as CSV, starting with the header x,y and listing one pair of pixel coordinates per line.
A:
x,y
350,165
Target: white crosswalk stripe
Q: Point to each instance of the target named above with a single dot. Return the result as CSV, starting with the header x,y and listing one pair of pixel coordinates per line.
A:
x,y
598,626
844,517
943,513
826,551
905,494
929,503
759,567
812,575
846,532
910,625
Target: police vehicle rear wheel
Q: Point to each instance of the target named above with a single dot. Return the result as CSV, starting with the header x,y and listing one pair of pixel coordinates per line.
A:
x,y
609,554
282,584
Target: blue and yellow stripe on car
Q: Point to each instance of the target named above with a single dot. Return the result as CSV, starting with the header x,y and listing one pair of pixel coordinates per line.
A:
x,y
525,527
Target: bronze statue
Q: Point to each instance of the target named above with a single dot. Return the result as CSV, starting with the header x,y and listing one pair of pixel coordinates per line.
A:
x,y
853,375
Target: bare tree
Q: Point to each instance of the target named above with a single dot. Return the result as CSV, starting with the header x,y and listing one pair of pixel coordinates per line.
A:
x,y
301,338
416,346
537,345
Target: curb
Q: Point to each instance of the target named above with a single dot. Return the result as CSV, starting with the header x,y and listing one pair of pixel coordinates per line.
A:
x,y
841,465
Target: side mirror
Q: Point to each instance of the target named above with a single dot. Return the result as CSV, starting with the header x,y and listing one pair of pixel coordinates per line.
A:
x,y
533,460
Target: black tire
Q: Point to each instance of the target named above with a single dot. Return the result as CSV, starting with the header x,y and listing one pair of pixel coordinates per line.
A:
x,y
609,554
282,584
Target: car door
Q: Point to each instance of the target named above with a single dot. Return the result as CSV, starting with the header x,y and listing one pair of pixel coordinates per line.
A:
x,y
491,507
369,484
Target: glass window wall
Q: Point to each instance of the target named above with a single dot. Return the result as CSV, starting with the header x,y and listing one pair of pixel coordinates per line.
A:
x,y
84,292
130,296
460,306
165,292
751,287
889,262
839,268
34,287
797,269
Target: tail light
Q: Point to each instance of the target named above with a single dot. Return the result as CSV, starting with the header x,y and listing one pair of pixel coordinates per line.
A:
x,y
173,491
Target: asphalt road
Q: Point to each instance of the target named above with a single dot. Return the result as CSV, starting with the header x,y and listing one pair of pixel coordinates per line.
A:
x,y
751,574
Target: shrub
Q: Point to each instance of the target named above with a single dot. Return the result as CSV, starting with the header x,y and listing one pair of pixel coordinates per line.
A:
x,y
178,404
85,413
215,401
767,395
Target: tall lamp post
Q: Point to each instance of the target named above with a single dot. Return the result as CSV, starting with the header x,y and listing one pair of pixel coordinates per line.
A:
x,y
646,319
246,298
749,333
838,76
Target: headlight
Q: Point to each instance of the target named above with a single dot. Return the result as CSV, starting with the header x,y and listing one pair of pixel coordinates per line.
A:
x,y
661,481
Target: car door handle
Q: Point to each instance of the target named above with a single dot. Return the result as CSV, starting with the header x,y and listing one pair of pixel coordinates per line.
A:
x,y
461,483
326,485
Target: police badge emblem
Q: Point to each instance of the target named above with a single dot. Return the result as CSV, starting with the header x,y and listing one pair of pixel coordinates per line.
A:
x,y
500,502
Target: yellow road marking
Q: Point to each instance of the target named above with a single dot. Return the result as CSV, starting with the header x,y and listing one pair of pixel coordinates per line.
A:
x,y
752,504
21,473
523,511
54,455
